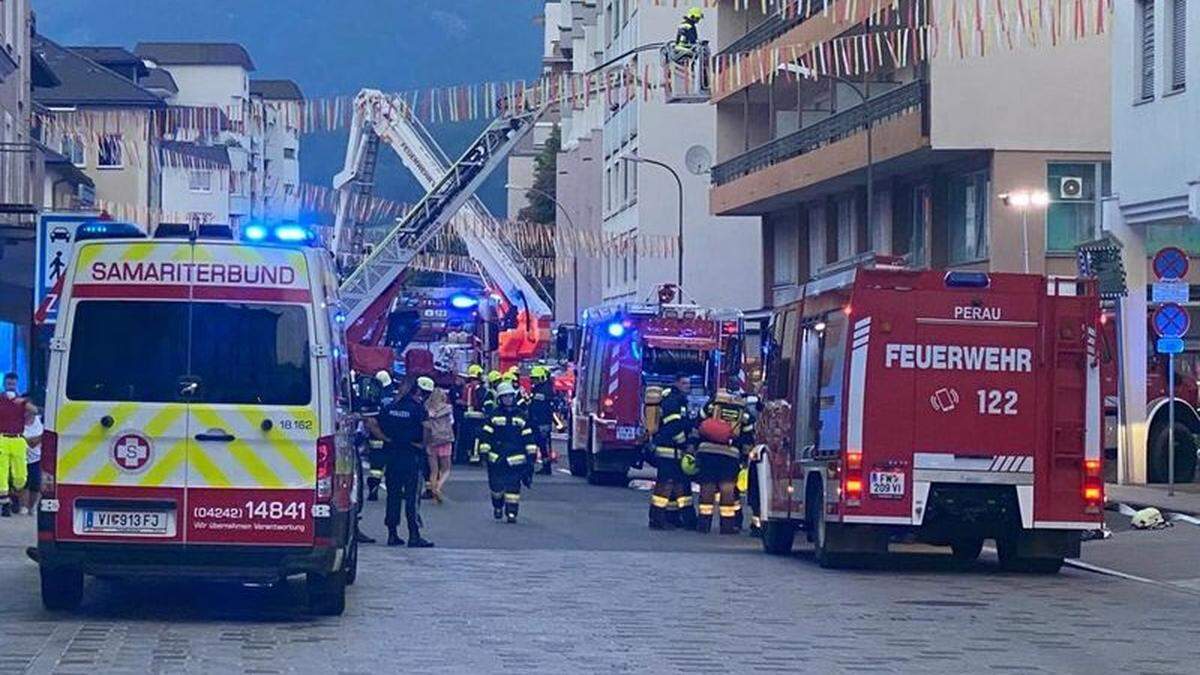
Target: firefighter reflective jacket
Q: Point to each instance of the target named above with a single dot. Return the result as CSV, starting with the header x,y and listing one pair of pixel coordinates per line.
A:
x,y
540,401
506,438
731,410
675,425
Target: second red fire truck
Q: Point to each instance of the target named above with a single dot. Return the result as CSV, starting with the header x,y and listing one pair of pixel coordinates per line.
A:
x,y
944,408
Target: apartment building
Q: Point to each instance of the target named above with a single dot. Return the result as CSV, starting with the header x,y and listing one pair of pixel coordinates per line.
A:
x,y
102,123
216,75
16,194
1155,199
639,201
951,137
279,103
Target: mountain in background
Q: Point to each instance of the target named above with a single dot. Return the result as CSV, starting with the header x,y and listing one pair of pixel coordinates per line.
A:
x,y
332,48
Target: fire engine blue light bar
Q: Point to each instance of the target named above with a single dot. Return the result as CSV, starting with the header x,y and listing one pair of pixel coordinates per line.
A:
x,y
463,301
968,280
616,329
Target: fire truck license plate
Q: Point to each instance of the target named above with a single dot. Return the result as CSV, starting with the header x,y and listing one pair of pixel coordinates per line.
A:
x,y
150,523
887,483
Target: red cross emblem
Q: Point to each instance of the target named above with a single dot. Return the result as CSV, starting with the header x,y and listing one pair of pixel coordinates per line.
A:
x,y
131,452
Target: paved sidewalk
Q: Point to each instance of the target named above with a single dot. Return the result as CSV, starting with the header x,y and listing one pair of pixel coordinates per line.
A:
x,y
1186,498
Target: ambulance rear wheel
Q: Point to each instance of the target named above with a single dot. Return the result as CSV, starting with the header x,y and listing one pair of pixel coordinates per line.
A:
x,y
327,593
778,536
62,589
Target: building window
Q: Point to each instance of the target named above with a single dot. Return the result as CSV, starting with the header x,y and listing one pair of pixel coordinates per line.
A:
x,y
289,153
72,149
111,152
1178,45
200,180
967,217
785,246
1145,42
1075,190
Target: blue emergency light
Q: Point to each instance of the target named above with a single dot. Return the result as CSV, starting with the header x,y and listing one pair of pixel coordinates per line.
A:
x,y
463,301
285,233
968,279
616,329
107,229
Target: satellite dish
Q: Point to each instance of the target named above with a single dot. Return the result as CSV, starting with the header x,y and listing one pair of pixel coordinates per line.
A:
x,y
698,160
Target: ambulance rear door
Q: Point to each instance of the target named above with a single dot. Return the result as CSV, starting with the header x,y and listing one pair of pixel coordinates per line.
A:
x,y
254,412
118,404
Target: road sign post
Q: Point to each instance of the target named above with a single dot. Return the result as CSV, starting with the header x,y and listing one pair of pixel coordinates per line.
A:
x,y
1171,322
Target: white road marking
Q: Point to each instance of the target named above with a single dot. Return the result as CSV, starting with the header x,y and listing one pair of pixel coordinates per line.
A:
x,y
1097,569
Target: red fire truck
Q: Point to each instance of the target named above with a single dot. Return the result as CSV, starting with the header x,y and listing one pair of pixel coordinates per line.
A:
x,y
944,408
625,349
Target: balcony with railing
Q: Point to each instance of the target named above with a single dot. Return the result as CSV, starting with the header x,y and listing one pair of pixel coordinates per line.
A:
x,y
897,117
770,28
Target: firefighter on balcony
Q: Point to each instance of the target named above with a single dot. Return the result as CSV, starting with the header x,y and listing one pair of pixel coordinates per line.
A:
x,y
541,414
725,434
687,37
671,499
508,443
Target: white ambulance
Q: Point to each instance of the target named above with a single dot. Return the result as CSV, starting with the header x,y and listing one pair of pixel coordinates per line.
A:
x,y
198,414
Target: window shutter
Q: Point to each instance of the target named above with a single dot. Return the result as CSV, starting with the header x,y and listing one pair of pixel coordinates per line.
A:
x,y
1178,44
1147,34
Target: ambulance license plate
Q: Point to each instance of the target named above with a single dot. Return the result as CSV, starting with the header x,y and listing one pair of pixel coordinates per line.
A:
x,y
148,523
887,483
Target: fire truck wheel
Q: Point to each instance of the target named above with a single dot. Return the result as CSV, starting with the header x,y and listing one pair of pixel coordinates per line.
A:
x,y
778,537
966,550
821,531
327,593
62,589
1185,455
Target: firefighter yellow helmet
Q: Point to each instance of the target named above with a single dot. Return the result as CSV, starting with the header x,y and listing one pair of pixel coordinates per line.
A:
x,y
509,377
494,376
688,464
539,372
425,384
694,14
475,370
743,480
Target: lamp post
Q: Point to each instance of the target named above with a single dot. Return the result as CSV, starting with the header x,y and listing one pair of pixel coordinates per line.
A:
x,y
1023,201
678,184
574,256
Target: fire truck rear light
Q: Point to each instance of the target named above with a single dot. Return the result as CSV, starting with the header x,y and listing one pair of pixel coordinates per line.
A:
x,y
609,402
326,462
1092,493
1091,468
853,488
854,460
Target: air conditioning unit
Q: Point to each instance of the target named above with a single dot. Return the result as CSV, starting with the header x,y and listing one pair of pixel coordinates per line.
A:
x,y
1070,187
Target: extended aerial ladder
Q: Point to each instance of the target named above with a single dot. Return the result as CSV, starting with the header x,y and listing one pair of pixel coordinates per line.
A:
x,y
368,291
451,190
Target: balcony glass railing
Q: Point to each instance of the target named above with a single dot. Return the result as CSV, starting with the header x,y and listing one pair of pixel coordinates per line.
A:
x,y
841,125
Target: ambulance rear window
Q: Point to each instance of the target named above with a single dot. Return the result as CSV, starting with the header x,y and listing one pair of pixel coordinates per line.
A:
x,y
239,353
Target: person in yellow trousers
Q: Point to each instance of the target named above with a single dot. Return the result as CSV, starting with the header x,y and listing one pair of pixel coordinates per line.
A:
x,y
15,412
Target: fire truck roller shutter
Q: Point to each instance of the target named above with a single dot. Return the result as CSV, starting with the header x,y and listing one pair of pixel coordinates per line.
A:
x,y
665,361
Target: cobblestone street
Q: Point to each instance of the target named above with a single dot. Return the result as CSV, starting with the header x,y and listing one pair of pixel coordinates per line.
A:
x,y
580,585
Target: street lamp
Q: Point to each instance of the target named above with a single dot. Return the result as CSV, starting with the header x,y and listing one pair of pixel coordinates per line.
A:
x,y
574,256
633,157
1023,201
865,97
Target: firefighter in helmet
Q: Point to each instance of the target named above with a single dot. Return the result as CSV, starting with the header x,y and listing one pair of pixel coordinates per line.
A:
x,y
474,395
384,390
489,398
508,443
725,433
541,414
687,36
671,499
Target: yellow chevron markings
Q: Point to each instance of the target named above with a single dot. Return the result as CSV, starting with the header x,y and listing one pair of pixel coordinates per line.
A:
x,y
156,427
291,451
210,472
166,465
88,441
240,450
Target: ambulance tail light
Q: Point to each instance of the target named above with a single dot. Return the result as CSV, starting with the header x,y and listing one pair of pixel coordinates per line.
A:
x,y
326,465
49,463
852,485
1093,486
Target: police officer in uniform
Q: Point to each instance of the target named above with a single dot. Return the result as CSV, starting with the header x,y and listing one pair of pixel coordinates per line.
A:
x,y
671,499
725,434
541,413
401,427
508,443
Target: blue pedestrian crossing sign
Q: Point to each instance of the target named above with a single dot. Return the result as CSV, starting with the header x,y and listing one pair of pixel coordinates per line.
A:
x,y
1171,320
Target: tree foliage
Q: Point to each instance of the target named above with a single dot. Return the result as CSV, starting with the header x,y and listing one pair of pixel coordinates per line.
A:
x,y
541,207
